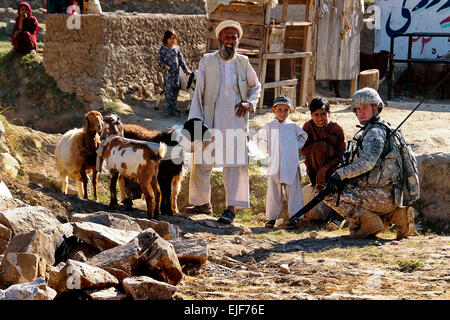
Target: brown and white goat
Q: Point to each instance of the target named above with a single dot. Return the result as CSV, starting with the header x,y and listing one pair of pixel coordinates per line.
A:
x,y
136,161
76,154
170,173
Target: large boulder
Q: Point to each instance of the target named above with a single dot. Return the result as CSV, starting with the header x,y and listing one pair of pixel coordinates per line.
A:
x,y
106,294
19,267
53,271
36,290
37,242
78,249
147,253
146,288
165,230
119,221
78,275
119,274
59,233
195,251
108,219
25,219
161,258
124,257
4,191
8,203
3,145
100,236
9,164
26,258
434,176
5,236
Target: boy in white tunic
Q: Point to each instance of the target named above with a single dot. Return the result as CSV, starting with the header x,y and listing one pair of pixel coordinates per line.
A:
x,y
282,139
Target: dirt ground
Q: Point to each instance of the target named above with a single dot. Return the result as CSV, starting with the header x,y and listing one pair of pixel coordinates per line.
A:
x,y
249,262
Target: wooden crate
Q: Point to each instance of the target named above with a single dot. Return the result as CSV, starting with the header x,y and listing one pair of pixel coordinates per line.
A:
x,y
276,38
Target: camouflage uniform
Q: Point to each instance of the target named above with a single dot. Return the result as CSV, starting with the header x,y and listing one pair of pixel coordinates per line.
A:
x,y
373,191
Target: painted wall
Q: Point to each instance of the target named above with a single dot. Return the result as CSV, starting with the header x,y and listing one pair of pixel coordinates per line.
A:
x,y
407,16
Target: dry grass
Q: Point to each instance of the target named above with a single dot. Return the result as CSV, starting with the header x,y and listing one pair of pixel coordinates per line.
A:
x,y
5,46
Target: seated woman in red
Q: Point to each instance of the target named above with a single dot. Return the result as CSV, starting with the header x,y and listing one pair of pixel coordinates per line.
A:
x,y
24,37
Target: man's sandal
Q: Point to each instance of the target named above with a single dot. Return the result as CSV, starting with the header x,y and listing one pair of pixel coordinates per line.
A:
x,y
270,224
227,217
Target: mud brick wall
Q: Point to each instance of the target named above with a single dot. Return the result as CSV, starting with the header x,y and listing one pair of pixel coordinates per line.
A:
x,y
112,56
434,176
153,6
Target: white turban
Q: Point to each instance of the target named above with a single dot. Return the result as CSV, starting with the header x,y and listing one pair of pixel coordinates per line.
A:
x,y
228,24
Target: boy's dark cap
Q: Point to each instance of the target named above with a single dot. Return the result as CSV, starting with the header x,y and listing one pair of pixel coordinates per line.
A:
x,y
283,99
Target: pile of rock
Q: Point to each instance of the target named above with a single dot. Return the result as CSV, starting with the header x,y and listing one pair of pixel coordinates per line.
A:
x,y
8,163
10,13
99,256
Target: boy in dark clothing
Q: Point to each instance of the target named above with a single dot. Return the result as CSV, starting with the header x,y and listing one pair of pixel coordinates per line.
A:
x,y
325,145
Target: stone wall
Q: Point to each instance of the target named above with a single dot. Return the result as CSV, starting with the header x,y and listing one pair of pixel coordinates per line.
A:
x,y
113,55
11,14
8,8
141,6
155,6
434,175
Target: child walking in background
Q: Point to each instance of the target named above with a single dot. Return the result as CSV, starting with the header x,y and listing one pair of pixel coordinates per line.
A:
x,y
171,60
282,140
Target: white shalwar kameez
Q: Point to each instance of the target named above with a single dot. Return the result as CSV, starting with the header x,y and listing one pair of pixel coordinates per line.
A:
x,y
282,141
235,169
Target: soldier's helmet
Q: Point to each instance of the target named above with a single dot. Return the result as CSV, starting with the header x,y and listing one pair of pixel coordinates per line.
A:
x,y
366,96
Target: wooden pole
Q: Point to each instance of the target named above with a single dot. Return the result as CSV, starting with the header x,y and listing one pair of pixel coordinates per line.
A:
x,y
277,76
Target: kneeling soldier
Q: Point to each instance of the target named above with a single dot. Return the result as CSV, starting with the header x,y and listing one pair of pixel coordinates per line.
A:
x,y
372,197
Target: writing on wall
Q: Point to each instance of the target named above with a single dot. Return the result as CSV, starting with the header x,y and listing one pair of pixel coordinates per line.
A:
x,y
409,16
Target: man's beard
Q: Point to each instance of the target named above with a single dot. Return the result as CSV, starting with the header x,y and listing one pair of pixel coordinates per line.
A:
x,y
227,53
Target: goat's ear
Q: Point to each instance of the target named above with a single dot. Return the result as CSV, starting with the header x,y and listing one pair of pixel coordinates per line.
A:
x,y
86,123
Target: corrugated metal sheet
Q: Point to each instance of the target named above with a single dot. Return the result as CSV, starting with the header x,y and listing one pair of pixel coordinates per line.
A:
x,y
337,58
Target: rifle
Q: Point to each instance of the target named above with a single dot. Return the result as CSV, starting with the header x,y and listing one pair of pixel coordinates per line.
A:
x,y
347,156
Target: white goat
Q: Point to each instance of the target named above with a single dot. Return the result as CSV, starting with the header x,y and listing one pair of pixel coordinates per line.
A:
x,y
76,154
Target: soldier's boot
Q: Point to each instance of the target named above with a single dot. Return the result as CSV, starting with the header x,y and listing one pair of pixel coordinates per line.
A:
x,y
403,218
370,225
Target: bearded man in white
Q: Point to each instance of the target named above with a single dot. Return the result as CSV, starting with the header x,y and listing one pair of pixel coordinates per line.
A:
x,y
227,90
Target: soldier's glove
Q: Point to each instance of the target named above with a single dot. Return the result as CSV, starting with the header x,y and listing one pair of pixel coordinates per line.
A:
x,y
334,182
